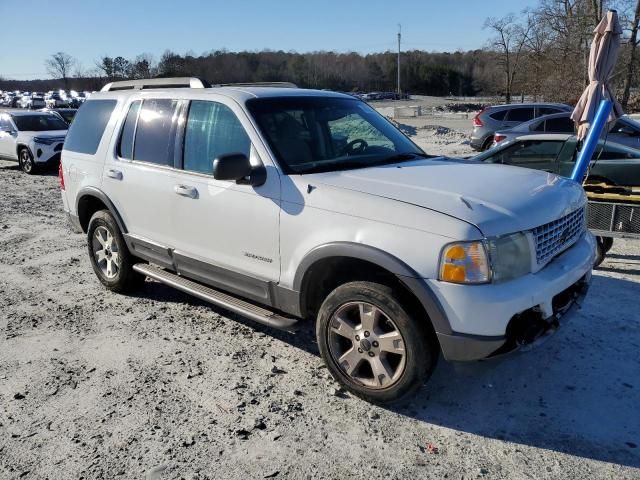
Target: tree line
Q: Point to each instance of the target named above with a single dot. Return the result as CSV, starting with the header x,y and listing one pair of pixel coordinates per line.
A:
x,y
541,52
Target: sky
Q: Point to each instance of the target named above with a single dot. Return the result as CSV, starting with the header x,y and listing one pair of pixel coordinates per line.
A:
x,y
90,29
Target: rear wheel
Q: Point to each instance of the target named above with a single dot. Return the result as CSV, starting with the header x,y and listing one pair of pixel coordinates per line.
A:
x,y
109,255
487,143
372,344
25,160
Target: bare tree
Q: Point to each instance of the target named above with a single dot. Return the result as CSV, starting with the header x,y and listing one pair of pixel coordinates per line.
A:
x,y
60,65
633,44
509,42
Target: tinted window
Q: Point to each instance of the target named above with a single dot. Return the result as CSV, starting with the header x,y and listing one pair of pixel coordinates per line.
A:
x,y
547,111
559,125
532,151
499,115
212,130
88,126
39,123
155,133
520,114
538,126
125,147
613,152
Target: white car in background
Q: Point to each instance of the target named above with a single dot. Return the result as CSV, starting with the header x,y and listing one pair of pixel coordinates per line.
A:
x,y
33,139
32,101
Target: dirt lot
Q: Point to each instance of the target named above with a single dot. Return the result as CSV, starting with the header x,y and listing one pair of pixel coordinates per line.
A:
x,y
160,385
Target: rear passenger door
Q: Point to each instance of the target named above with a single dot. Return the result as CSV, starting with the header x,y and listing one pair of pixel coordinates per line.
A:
x,y
139,176
228,232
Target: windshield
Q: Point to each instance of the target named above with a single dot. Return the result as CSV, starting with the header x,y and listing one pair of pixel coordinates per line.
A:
x,y
317,134
39,123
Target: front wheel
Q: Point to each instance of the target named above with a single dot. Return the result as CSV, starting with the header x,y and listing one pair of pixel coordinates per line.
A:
x,y
372,344
25,160
109,255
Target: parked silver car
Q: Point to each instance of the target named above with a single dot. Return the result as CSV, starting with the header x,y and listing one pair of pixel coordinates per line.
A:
x,y
501,117
624,132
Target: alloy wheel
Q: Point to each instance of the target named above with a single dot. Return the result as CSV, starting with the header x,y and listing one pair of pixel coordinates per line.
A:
x,y
366,345
25,161
105,251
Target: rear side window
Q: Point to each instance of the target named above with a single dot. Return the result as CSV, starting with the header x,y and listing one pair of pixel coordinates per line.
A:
x,y
499,115
559,125
155,131
212,130
125,147
88,126
520,114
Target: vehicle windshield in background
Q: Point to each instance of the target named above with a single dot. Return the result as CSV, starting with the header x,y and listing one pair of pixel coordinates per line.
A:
x,y
68,115
318,134
39,123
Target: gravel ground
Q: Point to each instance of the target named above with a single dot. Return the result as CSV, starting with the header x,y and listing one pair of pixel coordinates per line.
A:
x,y
159,385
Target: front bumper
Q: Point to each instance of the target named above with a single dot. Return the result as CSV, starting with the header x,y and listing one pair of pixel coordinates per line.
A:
x,y
491,319
43,153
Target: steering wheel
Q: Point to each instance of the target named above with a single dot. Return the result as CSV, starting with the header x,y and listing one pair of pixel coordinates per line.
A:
x,y
355,146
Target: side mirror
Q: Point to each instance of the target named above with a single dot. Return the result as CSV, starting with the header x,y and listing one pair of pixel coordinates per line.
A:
x,y
237,166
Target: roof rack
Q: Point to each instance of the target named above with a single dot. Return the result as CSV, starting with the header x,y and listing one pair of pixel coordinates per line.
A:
x,y
259,84
176,82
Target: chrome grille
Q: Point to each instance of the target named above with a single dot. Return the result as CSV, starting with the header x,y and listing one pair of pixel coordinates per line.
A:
x,y
554,237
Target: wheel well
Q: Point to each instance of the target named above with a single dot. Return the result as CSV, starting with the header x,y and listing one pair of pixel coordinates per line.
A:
x,y
87,206
327,274
20,146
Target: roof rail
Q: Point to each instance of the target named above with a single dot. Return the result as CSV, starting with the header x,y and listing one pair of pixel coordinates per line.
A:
x,y
176,82
259,84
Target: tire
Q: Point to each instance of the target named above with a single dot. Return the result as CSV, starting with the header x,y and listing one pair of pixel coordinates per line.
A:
x,y
114,265
365,323
601,251
607,242
25,160
487,144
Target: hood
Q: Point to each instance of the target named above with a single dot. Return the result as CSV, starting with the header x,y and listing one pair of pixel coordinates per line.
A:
x,y
498,199
46,133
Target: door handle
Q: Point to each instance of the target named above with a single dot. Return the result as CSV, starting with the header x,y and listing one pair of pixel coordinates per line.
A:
x,y
116,174
186,191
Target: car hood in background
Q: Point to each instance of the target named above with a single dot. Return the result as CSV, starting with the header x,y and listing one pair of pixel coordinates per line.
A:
x,y
497,199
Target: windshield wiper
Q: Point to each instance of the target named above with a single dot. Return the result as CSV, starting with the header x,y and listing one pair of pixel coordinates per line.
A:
x,y
402,157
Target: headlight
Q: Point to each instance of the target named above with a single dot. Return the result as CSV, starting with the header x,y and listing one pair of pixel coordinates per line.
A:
x,y
464,262
510,256
44,141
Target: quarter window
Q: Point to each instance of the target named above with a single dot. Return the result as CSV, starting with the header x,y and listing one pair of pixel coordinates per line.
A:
x,y
155,131
212,130
88,127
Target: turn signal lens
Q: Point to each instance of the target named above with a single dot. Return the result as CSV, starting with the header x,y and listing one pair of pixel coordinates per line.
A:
x,y
464,262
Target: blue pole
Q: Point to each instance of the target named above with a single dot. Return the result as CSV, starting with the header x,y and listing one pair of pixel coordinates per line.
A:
x,y
591,142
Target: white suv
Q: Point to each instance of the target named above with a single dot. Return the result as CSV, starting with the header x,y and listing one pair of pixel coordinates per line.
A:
x,y
33,139
285,204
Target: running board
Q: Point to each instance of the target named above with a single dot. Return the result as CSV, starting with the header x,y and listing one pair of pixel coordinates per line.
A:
x,y
233,304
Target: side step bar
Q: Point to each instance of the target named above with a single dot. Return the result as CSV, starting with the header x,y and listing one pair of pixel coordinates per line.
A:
x,y
233,304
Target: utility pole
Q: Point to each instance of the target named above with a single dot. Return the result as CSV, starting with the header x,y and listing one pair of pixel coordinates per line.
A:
x,y
399,36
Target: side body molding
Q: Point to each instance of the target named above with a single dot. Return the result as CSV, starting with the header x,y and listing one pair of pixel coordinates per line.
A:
x,y
100,195
407,276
